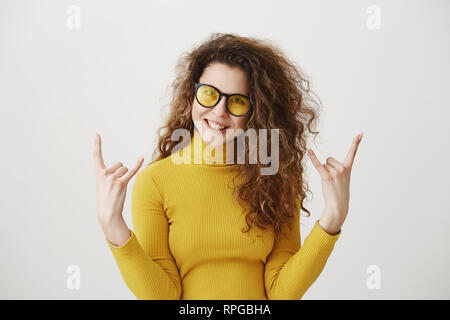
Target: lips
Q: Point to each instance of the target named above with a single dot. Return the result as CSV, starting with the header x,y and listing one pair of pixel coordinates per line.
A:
x,y
214,125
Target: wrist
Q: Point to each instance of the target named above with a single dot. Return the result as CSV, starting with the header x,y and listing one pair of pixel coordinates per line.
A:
x,y
330,225
116,231
111,223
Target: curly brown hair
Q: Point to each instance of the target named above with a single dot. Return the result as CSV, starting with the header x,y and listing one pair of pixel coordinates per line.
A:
x,y
282,99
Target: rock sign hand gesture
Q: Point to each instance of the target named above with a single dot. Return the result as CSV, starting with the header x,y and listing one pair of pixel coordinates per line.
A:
x,y
335,187
111,187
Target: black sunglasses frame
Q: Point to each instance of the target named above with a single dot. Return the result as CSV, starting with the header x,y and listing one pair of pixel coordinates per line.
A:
x,y
198,85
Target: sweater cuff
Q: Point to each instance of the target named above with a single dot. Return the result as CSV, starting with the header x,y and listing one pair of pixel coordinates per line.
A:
x,y
320,235
127,248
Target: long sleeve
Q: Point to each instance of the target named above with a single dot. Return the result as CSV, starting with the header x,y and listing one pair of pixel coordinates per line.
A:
x,y
291,268
145,261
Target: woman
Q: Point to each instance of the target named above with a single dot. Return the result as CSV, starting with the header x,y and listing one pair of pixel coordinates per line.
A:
x,y
208,229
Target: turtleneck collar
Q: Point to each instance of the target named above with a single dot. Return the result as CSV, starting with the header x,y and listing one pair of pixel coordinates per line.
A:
x,y
199,152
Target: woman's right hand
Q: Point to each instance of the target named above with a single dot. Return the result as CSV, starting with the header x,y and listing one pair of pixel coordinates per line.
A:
x,y
111,187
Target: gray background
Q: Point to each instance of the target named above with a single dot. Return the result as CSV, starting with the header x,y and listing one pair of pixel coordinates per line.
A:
x,y
58,86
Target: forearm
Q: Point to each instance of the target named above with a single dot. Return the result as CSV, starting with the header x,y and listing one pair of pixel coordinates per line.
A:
x,y
300,270
116,232
329,226
145,277
330,223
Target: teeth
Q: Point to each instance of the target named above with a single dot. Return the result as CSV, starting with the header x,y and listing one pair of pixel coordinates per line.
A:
x,y
214,126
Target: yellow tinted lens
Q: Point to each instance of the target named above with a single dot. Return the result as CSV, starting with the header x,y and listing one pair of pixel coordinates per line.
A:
x,y
207,96
238,105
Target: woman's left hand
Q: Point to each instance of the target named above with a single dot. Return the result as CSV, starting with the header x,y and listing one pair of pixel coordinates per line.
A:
x,y
335,187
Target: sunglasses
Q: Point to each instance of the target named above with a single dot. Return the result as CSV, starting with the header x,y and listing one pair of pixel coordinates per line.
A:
x,y
208,96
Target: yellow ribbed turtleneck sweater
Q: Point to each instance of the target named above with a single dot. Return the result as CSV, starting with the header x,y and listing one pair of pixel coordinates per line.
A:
x,y
187,241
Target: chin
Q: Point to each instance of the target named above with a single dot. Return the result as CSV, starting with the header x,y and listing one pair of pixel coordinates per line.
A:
x,y
211,136
214,139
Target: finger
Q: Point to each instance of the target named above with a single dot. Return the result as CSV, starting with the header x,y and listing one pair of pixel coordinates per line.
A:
x,y
120,172
335,164
322,170
114,167
348,162
127,177
98,157
330,169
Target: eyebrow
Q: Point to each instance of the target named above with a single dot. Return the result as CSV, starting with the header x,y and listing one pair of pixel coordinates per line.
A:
x,y
242,94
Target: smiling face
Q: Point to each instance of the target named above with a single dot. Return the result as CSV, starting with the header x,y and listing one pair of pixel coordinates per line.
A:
x,y
228,80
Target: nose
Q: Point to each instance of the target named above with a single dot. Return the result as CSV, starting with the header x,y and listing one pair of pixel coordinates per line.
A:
x,y
220,109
